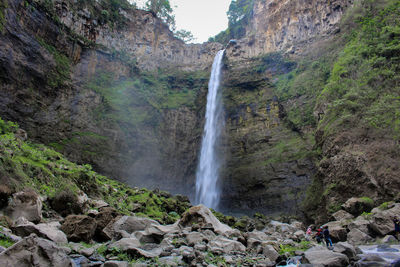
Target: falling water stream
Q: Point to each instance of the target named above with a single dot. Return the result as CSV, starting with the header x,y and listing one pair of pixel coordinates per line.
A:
x,y
207,191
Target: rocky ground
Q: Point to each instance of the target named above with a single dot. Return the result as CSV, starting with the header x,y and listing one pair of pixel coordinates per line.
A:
x,y
101,236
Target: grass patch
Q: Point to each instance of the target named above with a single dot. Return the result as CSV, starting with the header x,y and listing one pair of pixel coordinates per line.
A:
x,y
303,245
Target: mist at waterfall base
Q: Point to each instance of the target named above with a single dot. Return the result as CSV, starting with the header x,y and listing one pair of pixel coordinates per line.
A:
x,y
207,188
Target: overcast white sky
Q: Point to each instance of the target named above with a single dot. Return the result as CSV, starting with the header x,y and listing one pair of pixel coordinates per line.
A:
x,y
204,18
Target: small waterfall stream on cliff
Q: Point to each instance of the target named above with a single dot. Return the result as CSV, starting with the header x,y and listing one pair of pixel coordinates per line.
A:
x,y
207,191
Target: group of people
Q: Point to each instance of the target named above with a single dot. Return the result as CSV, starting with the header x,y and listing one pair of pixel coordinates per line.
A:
x,y
321,234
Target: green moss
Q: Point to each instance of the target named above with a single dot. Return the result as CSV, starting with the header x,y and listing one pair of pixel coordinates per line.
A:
x,y
62,71
384,206
303,245
5,241
363,86
49,173
367,200
3,20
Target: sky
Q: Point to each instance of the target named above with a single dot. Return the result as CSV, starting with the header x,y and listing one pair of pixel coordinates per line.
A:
x,y
204,18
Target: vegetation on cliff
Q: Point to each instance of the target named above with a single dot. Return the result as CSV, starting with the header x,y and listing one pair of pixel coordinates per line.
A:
x,y
239,15
29,165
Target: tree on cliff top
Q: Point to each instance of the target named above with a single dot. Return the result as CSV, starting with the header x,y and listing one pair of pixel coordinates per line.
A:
x,y
163,10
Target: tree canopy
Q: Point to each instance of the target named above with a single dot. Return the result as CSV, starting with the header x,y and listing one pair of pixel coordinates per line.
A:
x,y
163,10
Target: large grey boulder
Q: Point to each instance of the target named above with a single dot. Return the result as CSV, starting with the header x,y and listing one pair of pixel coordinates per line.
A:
x,y
337,231
270,252
227,246
355,236
194,238
356,205
342,215
126,225
133,247
27,204
326,258
116,264
34,251
361,223
382,220
346,249
49,231
202,216
258,235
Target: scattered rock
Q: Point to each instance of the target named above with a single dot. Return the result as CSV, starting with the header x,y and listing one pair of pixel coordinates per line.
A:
x,y
270,252
356,205
337,231
66,203
5,194
225,245
355,236
26,204
389,239
342,215
346,249
326,258
116,264
202,216
49,231
194,238
79,228
35,251
382,220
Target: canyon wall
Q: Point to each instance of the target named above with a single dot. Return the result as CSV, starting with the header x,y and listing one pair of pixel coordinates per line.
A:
x,y
128,97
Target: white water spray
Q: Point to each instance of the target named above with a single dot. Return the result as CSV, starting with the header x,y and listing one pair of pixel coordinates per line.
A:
x,y
207,191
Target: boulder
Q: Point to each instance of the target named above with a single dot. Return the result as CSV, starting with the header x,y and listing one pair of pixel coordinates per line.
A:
x,y
346,249
355,236
103,218
342,215
49,231
226,245
116,264
337,231
356,205
371,260
5,194
382,220
326,258
126,244
194,238
34,251
79,228
67,202
258,235
202,216
389,239
299,235
360,223
282,227
187,253
270,252
133,247
126,225
26,204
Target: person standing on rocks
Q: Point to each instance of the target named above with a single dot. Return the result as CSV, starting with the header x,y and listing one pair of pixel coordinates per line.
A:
x,y
327,237
318,235
308,233
396,222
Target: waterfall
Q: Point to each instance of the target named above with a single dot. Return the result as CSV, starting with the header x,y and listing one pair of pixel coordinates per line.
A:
x,y
207,191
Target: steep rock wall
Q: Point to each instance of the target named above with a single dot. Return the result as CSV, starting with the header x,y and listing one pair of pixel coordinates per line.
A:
x,y
290,26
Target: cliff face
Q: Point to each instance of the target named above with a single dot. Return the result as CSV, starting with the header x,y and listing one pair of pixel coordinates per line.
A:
x,y
290,26
129,98
268,165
